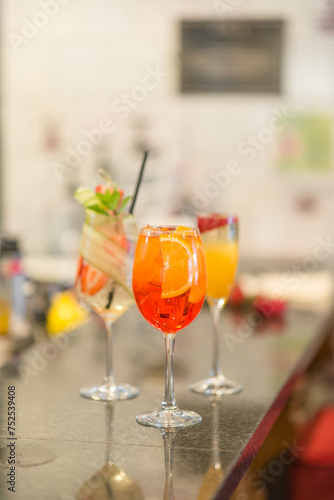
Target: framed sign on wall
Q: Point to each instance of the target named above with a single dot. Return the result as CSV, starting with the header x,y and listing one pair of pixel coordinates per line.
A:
x,y
231,56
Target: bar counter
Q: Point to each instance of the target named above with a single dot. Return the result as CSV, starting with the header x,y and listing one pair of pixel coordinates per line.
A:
x,y
71,448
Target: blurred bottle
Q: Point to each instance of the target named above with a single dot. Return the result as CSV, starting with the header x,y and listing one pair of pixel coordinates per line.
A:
x,y
4,306
13,280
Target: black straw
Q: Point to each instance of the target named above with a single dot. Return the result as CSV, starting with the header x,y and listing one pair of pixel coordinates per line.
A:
x,y
138,182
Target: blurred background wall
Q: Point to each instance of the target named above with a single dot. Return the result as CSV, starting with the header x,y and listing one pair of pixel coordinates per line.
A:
x,y
64,74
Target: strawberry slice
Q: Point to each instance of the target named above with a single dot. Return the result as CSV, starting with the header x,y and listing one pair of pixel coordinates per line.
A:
x,y
121,241
80,263
212,221
92,280
101,188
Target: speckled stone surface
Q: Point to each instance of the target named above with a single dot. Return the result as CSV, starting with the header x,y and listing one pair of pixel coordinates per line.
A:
x,y
75,438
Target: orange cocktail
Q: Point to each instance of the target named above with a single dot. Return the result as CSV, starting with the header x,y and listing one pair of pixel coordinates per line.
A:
x,y
169,285
169,282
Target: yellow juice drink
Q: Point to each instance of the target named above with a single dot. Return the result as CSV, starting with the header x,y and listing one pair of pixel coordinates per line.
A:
x,y
221,263
220,241
220,234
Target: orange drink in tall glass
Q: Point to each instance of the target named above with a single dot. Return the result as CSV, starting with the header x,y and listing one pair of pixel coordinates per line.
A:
x,y
169,285
219,254
220,241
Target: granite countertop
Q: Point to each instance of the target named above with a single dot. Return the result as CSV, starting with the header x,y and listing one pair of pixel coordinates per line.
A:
x,y
72,448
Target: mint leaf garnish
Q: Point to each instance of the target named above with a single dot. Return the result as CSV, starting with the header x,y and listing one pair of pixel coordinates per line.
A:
x,y
106,204
124,202
110,200
98,209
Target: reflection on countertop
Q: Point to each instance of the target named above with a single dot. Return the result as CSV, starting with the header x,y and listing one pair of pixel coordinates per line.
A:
x,y
109,482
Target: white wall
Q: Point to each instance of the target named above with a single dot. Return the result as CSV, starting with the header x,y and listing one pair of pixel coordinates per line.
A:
x,y
65,78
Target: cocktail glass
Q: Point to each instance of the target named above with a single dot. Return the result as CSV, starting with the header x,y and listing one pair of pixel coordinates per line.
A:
x,y
220,241
103,282
169,283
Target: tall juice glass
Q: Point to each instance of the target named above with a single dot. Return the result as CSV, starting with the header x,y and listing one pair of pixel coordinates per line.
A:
x,y
103,282
220,240
169,283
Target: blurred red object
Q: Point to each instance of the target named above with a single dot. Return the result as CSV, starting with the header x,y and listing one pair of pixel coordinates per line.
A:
x,y
312,475
317,438
274,325
237,298
269,307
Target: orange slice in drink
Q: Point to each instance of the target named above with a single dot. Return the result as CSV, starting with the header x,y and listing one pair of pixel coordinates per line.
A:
x,y
178,266
198,288
180,229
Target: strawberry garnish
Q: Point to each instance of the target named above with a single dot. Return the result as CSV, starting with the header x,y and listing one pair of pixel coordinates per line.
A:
x,y
107,199
80,263
101,188
121,241
92,280
213,221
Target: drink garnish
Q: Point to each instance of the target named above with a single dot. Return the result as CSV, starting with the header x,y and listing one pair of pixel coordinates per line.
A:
x,y
107,199
105,250
177,256
92,280
105,255
108,203
213,221
198,287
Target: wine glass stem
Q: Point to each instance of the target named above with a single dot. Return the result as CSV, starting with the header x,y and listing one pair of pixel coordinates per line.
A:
x,y
109,353
169,396
216,368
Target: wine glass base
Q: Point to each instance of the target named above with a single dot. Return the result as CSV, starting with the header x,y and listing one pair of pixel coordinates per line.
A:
x,y
169,419
110,393
216,386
